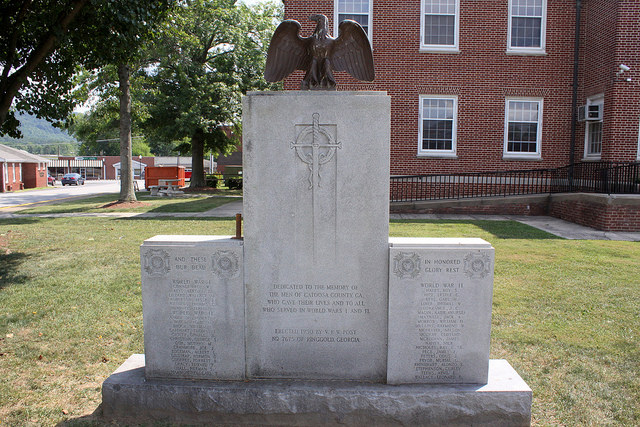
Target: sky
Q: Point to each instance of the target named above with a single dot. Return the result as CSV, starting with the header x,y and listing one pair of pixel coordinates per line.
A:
x,y
251,2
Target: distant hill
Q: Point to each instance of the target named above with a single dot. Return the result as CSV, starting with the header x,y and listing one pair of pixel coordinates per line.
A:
x,y
40,137
38,131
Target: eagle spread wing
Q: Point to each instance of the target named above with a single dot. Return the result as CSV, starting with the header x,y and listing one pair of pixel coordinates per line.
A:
x,y
352,52
287,52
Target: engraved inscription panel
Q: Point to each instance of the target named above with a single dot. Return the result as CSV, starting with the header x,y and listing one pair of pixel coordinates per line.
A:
x,y
192,304
193,313
440,314
316,195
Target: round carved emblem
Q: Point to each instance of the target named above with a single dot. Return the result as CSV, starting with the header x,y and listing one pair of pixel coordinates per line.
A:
x,y
476,265
156,262
225,264
406,265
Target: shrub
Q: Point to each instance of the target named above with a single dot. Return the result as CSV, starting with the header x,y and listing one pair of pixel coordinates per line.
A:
x,y
233,183
211,181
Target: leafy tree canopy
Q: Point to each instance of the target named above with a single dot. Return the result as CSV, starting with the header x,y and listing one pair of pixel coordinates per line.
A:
x,y
208,54
98,129
43,44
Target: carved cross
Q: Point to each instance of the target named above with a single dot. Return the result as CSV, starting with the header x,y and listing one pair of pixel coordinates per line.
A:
x,y
320,154
317,157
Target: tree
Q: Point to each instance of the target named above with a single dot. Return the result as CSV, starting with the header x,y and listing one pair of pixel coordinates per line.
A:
x,y
98,129
44,42
209,53
126,31
33,79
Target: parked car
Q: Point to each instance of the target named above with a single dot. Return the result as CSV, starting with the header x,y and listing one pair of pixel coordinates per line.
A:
x,y
72,178
51,180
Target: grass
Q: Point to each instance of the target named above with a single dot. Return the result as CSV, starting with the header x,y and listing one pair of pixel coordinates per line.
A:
x,y
565,314
186,203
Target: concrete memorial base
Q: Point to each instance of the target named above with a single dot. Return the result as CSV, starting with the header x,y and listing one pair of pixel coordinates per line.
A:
x,y
504,401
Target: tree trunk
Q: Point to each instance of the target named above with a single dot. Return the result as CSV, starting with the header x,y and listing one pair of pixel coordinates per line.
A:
x,y
127,193
197,159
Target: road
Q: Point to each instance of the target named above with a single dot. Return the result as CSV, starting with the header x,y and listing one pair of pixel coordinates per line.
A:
x,y
30,197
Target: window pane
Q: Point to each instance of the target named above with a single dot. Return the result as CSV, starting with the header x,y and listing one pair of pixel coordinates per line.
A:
x,y
526,32
437,124
440,6
526,8
595,138
353,6
522,137
439,29
437,135
523,111
437,109
363,20
356,10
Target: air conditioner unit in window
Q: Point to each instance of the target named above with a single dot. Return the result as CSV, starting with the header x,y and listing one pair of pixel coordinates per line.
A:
x,y
592,112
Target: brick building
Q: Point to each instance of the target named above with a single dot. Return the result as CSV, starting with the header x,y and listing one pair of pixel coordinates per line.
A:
x,y
488,85
108,167
19,170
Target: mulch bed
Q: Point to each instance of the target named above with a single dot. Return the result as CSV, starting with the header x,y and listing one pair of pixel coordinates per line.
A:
x,y
124,205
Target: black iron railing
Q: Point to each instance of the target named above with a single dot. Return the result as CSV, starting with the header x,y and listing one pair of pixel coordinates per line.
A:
x,y
592,177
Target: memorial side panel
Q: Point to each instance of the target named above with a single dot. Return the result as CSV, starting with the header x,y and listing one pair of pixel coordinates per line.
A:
x,y
193,307
316,234
440,313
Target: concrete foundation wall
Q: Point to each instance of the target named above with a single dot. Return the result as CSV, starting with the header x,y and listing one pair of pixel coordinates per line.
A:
x,y
615,212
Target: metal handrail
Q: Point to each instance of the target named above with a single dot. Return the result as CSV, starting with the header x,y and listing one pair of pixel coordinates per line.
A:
x,y
592,177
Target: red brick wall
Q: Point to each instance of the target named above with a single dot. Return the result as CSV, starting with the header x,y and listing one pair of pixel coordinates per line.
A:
x,y
517,205
625,120
34,175
483,74
601,212
13,180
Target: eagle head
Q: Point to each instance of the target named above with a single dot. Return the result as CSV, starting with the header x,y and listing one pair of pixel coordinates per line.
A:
x,y
322,23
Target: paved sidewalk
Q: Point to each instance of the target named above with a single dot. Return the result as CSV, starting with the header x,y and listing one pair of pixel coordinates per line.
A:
x,y
558,227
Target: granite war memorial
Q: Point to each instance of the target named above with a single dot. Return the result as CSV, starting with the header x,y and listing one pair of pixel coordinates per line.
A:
x,y
317,317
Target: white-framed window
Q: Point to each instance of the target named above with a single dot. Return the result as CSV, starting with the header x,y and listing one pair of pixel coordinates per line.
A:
x,y
356,10
14,172
5,171
439,25
527,26
522,128
593,131
20,171
438,125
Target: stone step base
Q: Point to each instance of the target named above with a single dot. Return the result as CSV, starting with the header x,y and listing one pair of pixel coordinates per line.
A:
x,y
128,396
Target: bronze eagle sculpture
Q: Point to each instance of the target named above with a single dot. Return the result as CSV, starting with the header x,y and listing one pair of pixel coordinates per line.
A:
x,y
319,53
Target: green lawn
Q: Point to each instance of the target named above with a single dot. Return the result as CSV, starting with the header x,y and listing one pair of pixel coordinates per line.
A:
x,y
565,314
184,203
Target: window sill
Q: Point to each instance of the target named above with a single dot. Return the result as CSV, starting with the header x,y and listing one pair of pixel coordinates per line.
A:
x,y
435,49
591,159
536,158
526,52
437,156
